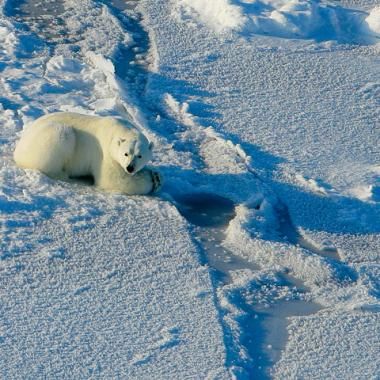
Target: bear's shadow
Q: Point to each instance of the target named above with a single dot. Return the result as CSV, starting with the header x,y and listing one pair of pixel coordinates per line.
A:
x,y
85,180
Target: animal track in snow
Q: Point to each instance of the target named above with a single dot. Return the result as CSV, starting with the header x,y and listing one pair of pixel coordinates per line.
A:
x,y
167,338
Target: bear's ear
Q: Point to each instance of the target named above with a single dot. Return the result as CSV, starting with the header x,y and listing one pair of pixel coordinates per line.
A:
x,y
120,140
151,145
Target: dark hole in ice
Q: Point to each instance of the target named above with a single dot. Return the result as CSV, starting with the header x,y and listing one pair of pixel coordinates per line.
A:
x,y
210,214
205,209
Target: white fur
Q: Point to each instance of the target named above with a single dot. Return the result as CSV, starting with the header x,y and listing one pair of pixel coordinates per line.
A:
x,y
64,145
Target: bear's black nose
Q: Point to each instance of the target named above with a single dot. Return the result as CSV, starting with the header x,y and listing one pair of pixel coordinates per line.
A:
x,y
130,168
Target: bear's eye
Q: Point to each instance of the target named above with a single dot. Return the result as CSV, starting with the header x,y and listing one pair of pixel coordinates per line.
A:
x,y
139,156
126,154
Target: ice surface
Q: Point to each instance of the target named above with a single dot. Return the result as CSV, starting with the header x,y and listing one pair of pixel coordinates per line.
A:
x,y
88,279
354,334
76,302
301,116
265,237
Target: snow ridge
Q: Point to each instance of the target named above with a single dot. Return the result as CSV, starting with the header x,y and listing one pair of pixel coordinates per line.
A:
x,y
303,19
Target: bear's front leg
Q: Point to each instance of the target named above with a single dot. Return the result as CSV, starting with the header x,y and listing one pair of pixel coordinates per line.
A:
x,y
157,180
146,181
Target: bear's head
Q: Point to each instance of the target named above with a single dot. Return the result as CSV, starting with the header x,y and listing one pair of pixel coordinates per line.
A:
x,y
132,153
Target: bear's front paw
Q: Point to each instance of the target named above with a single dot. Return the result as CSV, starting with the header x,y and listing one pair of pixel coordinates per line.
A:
x,y
157,181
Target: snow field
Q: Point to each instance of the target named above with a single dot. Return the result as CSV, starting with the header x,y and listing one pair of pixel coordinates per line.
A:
x,y
277,102
354,359
79,304
247,120
84,273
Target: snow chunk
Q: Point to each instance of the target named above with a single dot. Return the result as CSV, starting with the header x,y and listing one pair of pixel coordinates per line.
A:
x,y
59,63
372,22
8,39
363,192
219,15
314,185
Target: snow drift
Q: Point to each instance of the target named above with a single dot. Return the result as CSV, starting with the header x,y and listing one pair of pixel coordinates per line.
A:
x,y
306,19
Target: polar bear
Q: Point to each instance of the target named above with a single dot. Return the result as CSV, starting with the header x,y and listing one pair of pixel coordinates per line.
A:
x,y
65,145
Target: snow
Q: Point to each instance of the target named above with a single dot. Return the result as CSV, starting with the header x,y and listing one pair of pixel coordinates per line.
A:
x,y
220,15
295,97
373,21
78,304
93,284
354,359
281,18
264,115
